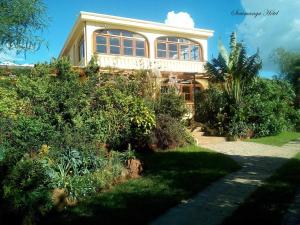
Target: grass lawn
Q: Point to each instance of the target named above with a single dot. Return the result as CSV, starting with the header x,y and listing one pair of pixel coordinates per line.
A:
x,y
169,177
268,203
277,140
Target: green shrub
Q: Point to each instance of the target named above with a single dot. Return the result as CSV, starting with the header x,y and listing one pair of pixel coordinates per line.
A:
x,y
169,133
26,188
170,103
212,109
268,105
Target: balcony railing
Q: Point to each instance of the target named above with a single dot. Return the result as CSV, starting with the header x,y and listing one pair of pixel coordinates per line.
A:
x,y
126,62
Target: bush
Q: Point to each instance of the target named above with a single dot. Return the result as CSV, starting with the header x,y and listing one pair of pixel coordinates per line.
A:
x,y
169,133
268,106
212,109
170,103
26,188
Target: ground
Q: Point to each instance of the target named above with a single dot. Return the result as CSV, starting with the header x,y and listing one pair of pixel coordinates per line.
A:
x,y
222,198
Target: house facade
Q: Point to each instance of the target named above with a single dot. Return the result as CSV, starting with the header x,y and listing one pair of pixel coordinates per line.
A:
x,y
175,54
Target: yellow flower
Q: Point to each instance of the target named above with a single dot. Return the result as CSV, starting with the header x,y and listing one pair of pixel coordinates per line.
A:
x,y
44,149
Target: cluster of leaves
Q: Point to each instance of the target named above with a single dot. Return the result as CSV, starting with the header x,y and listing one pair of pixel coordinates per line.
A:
x,y
267,108
170,130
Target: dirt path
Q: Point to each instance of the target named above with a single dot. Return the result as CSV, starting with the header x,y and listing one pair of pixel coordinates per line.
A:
x,y
221,199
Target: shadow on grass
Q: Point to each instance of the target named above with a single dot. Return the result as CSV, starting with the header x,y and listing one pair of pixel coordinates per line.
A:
x,y
169,178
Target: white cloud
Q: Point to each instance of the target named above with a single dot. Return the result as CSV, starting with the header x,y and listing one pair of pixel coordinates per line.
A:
x,y
270,32
9,56
180,19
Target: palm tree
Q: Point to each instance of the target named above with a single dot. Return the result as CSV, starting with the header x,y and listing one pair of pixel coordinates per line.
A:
x,y
233,70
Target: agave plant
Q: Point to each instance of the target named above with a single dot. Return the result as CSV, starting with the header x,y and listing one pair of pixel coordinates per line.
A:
x,y
233,70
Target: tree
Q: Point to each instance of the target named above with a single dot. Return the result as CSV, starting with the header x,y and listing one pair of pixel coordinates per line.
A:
x,y
289,65
233,70
20,24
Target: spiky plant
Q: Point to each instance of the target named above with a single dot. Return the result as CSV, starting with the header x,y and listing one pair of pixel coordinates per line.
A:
x,y
233,70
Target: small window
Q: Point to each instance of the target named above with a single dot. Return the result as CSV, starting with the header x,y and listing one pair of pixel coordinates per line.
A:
x,y
186,92
81,49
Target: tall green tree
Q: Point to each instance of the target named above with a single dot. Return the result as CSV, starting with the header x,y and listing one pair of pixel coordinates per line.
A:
x,y
21,22
234,69
289,65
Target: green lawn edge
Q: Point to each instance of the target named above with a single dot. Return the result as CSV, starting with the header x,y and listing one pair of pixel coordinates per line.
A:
x,y
277,140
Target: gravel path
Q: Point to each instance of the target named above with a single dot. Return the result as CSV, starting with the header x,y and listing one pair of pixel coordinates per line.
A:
x,y
221,199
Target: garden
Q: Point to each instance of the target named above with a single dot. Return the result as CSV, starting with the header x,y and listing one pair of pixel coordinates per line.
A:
x,y
239,104
72,139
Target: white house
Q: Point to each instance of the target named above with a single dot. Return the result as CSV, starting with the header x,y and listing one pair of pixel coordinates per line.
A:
x,y
175,53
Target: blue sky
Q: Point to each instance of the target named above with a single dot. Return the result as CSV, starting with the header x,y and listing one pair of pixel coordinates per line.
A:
x,y
214,14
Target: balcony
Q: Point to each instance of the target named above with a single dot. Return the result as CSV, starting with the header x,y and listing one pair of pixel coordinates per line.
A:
x,y
126,62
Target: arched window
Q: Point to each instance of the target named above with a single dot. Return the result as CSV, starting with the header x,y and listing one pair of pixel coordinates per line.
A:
x,y
120,42
178,48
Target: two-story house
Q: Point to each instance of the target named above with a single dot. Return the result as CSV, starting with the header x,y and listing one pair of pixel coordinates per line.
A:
x,y
176,54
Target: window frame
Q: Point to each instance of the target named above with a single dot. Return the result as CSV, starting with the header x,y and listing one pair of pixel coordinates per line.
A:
x,y
187,42
121,38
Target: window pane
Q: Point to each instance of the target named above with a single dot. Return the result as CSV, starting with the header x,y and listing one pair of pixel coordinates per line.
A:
x,y
101,31
140,44
114,50
186,93
115,32
161,54
127,33
184,52
101,40
115,41
81,50
161,46
172,47
195,53
162,38
101,48
128,43
140,52
138,36
128,51
173,39
183,40
173,55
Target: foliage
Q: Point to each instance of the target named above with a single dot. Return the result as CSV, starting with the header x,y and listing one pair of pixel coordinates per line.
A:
x,y
27,189
20,20
169,133
170,103
234,70
169,177
289,65
211,109
269,107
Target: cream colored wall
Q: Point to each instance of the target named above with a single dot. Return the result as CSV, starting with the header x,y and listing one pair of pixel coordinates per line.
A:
x,y
73,51
136,62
